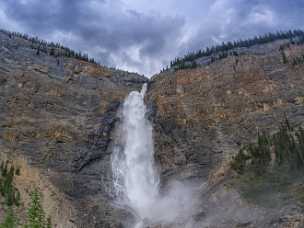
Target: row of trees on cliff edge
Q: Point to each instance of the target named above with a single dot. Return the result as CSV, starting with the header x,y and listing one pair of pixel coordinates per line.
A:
x,y
294,36
50,48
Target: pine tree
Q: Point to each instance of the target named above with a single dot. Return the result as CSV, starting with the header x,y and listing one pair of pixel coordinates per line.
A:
x,y
7,189
35,215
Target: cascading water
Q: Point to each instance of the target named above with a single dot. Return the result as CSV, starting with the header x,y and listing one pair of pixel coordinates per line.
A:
x,y
135,178
136,181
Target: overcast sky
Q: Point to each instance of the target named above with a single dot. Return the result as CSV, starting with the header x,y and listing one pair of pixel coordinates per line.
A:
x,y
144,35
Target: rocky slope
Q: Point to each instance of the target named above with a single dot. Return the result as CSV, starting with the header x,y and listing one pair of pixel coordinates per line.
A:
x,y
58,115
202,116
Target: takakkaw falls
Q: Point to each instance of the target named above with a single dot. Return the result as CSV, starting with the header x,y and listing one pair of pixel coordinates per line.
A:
x,y
136,179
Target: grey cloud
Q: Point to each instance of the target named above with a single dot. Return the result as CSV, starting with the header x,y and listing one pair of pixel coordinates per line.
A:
x,y
107,27
236,19
120,34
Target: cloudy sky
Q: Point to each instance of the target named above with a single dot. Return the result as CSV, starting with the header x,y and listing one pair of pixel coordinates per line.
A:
x,y
144,35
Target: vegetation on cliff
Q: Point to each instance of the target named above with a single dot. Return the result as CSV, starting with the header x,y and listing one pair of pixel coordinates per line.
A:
x,y
295,37
51,48
36,217
272,167
9,193
284,148
8,190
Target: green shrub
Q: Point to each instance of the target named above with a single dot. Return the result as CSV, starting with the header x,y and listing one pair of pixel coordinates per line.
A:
x,y
255,156
10,220
36,216
286,147
239,161
7,188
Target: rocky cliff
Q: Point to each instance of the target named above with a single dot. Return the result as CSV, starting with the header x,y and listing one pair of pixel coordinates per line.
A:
x,y
58,116
202,116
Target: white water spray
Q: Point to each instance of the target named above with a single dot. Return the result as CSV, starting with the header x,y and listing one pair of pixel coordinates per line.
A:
x,y
136,181
135,177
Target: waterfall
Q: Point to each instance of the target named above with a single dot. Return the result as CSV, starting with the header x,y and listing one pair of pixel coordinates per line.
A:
x,y
135,179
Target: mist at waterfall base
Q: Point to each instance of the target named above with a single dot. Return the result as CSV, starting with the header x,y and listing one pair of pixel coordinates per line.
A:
x,y
136,179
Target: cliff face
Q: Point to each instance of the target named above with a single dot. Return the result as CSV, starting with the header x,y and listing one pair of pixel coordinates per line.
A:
x,y
202,116
208,112
58,114
56,118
